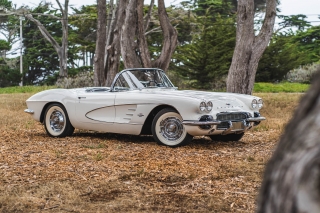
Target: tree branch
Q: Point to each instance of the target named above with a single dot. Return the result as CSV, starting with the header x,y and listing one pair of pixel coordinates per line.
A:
x,y
267,28
48,15
148,16
170,36
44,32
142,41
61,9
157,29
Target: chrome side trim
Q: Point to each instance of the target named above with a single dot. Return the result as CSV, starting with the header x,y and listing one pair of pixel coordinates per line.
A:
x,y
199,123
30,111
255,119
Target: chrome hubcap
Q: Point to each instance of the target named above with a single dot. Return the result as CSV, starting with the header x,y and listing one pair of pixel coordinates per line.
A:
x,y
56,121
171,128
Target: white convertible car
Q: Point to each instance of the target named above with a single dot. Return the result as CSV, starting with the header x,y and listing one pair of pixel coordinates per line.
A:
x,y
143,101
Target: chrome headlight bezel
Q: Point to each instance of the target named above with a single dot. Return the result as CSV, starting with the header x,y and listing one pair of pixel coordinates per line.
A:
x,y
202,106
260,103
209,106
254,103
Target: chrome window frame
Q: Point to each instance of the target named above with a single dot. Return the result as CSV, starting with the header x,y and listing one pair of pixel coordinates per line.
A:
x,y
134,83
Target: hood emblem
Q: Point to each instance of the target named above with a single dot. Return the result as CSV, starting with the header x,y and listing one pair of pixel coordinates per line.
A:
x,y
140,114
228,104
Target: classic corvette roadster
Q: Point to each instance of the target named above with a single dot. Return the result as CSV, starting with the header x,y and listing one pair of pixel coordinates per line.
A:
x,y
143,101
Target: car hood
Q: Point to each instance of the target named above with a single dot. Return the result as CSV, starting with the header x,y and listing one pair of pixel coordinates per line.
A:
x,y
201,94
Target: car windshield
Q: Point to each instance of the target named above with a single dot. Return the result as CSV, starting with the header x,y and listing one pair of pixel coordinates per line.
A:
x,y
142,78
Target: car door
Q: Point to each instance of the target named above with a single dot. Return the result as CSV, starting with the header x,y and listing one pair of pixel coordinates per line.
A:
x,y
96,107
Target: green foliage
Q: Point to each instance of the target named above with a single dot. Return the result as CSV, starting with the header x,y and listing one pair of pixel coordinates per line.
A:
x,y
183,20
208,57
299,21
206,34
289,50
281,87
24,89
281,56
203,7
258,87
6,4
4,45
224,7
9,73
9,30
82,38
8,76
40,58
309,43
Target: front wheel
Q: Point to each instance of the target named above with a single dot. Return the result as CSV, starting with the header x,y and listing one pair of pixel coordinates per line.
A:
x,y
167,128
56,121
226,138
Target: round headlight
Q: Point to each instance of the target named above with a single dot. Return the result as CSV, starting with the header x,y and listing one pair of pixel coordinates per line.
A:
x,y
209,105
202,106
260,103
254,103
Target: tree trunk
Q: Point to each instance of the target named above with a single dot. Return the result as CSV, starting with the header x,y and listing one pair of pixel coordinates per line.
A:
x,y
142,41
64,44
134,47
148,17
129,45
170,41
249,48
111,24
113,50
291,181
127,38
99,74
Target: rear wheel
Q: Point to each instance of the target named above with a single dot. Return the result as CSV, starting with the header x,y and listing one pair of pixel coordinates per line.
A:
x,y
226,138
167,128
56,121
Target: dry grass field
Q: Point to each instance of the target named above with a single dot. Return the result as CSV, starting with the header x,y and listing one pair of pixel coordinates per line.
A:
x,y
95,172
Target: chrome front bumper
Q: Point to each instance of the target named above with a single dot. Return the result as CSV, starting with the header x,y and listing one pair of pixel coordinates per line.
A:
x,y
256,119
212,127
216,122
29,111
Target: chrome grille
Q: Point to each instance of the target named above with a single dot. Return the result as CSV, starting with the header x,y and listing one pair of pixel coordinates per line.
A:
x,y
232,116
223,125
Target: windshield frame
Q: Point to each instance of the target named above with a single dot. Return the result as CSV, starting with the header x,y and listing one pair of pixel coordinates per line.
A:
x,y
134,83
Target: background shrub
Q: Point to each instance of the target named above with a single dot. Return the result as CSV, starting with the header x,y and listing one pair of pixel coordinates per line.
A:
x,y
82,79
303,74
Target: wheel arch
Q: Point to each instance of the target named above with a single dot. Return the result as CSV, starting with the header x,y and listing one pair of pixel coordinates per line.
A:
x,y
146,128
45,108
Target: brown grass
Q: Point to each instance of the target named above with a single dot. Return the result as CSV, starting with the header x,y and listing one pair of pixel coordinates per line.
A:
x,y
95,172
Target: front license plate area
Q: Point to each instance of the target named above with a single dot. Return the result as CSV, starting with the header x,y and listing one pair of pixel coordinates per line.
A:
x,y
238,126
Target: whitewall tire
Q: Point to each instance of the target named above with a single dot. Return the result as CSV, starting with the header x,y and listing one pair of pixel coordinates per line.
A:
x,y
56,121
167,128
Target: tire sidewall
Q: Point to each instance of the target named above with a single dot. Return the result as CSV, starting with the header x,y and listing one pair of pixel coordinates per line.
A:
x,y
161,115
51,108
